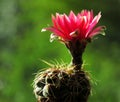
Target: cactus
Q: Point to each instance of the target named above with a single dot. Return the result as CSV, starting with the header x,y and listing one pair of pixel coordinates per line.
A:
x,y
62,83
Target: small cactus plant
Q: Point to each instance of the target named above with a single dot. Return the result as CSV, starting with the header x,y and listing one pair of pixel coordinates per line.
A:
x,y
68,84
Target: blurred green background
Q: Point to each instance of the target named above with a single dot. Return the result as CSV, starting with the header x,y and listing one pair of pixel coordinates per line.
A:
x,y
22,46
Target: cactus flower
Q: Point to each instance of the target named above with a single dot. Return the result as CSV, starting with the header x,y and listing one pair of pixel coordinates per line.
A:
x,y
81,26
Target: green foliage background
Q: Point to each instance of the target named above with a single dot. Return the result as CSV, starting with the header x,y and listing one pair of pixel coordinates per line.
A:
x,y
22,46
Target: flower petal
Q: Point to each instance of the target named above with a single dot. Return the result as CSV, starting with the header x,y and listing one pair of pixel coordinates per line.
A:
x,y
57,32
61,24
72,17
93,23
95,20
98,30
67,23
54,21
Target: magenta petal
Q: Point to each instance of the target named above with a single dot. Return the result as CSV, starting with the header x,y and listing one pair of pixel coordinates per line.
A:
x,y
98,30
54,21
61,24
89,16
95,20
74,20
93,23
67,23
72,17
55,31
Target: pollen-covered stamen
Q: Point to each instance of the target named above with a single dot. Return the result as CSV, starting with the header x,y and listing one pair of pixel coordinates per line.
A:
x,y
55,37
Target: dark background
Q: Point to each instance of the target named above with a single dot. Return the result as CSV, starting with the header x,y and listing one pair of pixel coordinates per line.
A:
x,y
22,46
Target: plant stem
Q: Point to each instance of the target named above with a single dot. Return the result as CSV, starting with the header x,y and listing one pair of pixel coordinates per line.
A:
x,y
76,49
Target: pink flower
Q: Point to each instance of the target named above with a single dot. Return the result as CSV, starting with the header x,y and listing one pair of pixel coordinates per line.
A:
x,y
81,26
